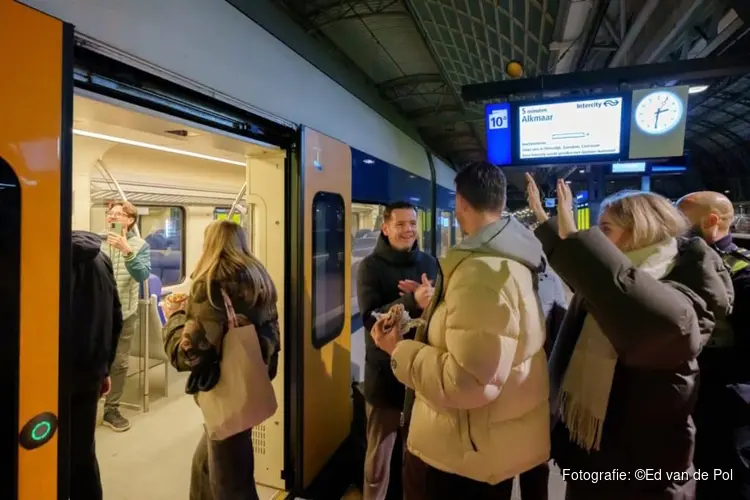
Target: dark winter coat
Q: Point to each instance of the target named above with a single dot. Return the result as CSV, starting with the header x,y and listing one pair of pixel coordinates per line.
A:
x,y
96,315
657,328
377,291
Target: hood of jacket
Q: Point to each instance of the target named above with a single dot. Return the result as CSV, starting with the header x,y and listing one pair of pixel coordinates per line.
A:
x,y
86,246
702,271
509,238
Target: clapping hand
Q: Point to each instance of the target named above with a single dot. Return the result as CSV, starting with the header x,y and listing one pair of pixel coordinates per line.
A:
x,y
424,293
565,222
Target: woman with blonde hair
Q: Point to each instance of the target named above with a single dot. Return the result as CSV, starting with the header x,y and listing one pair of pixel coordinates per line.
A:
x,y
623,370
193,335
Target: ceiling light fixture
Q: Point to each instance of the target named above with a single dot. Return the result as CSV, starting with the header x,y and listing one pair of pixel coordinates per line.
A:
x,y
146,145
697,89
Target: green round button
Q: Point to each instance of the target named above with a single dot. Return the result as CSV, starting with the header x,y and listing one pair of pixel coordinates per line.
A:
x,y
41,430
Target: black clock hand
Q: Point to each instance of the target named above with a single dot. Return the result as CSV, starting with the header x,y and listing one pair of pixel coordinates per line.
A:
x,y
658,114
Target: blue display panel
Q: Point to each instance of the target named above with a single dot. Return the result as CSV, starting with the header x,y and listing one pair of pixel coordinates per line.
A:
x,y
497,119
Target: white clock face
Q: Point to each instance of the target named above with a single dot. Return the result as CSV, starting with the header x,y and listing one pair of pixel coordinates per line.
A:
x,y
658,112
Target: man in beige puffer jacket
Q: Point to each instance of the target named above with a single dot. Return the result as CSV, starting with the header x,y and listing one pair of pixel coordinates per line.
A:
x,y
478,369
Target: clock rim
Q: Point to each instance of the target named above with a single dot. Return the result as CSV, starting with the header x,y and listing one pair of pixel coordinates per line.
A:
x,y
672,127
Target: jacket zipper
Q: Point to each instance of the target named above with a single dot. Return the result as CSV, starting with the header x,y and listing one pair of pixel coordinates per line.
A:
x,y
468,430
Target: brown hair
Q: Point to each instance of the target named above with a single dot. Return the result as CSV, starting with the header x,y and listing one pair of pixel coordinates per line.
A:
x,y
648,217
128,209
227,258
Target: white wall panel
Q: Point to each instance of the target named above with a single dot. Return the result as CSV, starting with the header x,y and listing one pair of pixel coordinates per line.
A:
x,y
213,44
444,174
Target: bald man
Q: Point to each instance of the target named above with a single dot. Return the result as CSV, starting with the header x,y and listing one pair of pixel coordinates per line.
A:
x,y
722,415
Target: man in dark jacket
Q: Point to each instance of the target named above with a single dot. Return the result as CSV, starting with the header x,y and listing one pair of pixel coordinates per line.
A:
x,y
96,325
722,414
397,272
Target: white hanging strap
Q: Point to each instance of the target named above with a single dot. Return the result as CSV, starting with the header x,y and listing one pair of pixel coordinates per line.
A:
x,y
231,316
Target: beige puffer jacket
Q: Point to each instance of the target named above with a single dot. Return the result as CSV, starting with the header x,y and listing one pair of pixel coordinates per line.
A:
x,y
481,381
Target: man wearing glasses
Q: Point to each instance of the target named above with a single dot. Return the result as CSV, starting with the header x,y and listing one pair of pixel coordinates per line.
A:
x,y
132,265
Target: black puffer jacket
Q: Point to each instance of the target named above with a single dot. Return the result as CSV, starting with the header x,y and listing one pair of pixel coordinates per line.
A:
x,y
377,290
95,308
657,327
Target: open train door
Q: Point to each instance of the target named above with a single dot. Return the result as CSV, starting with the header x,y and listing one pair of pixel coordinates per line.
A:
x,y
325,399
36,92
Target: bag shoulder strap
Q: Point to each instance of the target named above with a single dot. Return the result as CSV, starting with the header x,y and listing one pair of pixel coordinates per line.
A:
x,y
231,316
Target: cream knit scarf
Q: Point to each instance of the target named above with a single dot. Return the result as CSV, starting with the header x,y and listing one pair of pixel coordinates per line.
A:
x,y
588,379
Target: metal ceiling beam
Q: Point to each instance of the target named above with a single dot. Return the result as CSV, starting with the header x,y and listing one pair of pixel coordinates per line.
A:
x,y
408,80
596,24
444,115
693,69
677,30
352,9
742,8
635,30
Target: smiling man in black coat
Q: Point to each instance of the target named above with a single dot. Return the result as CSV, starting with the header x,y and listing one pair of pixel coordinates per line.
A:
x,y
397,272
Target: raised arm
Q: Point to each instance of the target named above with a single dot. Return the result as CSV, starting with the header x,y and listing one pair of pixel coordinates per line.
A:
x,y
482,332
650,323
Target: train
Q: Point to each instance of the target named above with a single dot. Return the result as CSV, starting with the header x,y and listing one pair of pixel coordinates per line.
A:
x,y
85,124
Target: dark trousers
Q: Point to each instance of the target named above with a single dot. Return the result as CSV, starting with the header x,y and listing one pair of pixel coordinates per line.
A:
x,y
224,470
535,483
722,441
423,482
383,425
85,483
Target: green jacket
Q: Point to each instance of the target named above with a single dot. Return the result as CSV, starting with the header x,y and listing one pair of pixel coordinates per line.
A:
x,y
130,271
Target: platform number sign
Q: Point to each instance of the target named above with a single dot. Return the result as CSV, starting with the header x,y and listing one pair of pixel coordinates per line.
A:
x,y
498,119
498,126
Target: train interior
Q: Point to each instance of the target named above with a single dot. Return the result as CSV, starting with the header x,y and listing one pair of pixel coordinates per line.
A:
x,y
181,177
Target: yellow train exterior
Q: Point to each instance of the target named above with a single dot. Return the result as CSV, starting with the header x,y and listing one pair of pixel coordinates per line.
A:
x,y
36,124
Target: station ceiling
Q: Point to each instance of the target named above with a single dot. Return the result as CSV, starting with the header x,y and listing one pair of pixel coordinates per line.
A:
x,y
419,53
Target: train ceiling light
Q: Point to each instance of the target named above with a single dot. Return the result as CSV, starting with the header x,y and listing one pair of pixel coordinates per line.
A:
x,y
155,147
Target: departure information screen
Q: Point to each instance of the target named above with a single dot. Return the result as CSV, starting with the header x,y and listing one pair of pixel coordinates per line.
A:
x,y
570,129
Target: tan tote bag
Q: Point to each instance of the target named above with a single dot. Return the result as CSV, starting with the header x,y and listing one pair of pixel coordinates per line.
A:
x,y
244,396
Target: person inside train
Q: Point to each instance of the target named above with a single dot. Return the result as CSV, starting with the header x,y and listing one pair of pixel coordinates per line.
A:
x,y
396,272
477,407
132,265
722,414
96,323
623,371
193,338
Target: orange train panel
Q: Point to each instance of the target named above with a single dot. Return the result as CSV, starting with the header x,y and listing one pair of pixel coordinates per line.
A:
x,y
30,130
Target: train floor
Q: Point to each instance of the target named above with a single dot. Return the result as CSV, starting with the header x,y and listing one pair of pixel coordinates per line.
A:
x,y
152,460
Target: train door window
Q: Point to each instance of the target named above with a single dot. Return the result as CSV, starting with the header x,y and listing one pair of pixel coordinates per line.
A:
x,y
328,287
244,216
223,214
459,235
367,219
163,228
444,242
420,231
